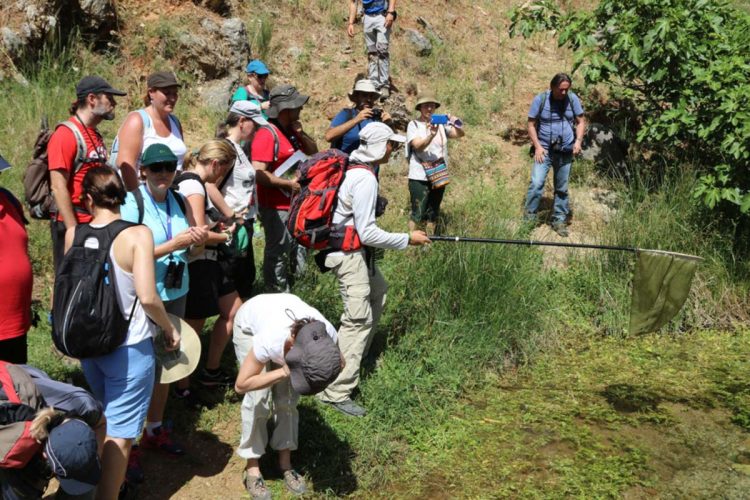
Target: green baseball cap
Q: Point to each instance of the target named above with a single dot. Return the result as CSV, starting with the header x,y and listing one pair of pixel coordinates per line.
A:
x,y
158,153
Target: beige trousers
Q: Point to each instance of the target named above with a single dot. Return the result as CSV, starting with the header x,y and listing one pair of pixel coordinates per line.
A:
x,y
278,402
363,293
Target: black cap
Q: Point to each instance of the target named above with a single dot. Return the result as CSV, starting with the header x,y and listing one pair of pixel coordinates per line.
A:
x,y
161,80
95,85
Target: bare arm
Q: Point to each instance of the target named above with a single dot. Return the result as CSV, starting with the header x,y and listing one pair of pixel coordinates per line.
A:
x,y
539,151
266,178
144,277
197,203
580,131
218,200
307,143
334,133
130,138
250,377
352,17
421,143
390,18
58,180
454,132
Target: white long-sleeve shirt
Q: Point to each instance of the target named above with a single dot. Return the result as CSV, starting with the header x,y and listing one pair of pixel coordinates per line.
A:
x,y
357,199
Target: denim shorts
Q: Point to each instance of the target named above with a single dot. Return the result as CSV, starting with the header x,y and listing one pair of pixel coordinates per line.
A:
x,y
123,381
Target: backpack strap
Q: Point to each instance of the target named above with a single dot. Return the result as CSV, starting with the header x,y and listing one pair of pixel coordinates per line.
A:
x,y
179,199
183,176
144,118
14,201
176,122
139,203
80,157
276,141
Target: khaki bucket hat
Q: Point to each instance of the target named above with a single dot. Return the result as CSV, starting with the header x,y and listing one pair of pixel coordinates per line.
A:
x,y
178,364
425,98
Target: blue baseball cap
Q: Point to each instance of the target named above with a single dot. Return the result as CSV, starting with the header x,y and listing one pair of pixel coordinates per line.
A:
x,y
258,67
71,453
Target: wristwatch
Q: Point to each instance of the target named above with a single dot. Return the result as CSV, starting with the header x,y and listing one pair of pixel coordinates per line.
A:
x,y
393,13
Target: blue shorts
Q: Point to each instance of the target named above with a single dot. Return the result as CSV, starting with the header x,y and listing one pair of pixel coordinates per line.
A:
x,y
123,381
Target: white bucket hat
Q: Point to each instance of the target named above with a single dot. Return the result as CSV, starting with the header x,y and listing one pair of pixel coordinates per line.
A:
x,y
365,86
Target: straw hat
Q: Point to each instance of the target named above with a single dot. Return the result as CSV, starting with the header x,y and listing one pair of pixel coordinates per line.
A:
x,y
425,98
178,364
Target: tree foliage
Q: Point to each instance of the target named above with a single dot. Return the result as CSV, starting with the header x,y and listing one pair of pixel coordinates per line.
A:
x,y
683,64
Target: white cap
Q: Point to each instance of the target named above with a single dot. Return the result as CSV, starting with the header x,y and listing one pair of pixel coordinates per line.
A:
x,y
373,139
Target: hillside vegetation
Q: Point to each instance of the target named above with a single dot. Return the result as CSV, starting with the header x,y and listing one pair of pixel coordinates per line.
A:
x,y
497,371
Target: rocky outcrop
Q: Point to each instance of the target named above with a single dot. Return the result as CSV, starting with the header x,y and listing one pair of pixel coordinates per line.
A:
x,y
217,50
602,146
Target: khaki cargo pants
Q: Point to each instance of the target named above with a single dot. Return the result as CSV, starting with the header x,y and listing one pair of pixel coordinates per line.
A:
x,y
363,293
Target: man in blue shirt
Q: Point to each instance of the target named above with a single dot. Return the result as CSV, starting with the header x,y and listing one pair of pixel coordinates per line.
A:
x,y
379,16
343,134
556,127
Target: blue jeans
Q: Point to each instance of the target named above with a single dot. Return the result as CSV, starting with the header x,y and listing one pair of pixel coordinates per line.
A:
x,y
560,163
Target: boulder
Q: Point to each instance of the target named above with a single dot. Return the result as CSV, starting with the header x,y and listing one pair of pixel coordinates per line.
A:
x,y
421,44
234,34
217,93
395,104
216,50
12,42
603,147
96,17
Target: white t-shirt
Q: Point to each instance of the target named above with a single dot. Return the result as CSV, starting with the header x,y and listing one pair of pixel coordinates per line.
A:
x,y
187,188
437,149
357,199
267,318
239,189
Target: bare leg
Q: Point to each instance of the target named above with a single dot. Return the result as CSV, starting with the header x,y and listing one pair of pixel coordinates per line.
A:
x,y
285,459
114,463
158,403
222,333
253,467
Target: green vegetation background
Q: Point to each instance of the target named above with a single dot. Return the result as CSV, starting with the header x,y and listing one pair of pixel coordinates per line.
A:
x,y
485,360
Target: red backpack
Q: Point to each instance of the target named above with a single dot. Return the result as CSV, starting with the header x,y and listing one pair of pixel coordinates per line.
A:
x,y
311,213
19,401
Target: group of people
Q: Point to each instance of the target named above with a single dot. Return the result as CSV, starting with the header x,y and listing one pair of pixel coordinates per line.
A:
x,y
188,254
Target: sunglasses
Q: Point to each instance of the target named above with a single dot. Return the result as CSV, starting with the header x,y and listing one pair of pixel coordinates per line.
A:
x,y
157,168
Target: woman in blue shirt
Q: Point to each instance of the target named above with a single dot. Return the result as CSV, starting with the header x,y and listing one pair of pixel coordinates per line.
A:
x,y
168,216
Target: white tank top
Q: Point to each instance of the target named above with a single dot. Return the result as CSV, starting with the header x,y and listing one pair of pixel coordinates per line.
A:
x,y
141,327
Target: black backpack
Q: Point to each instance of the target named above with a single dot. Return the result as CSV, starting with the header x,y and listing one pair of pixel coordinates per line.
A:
x,y
86,317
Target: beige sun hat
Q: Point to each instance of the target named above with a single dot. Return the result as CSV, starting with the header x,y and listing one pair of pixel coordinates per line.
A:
x,y
177,364
425,98
366,86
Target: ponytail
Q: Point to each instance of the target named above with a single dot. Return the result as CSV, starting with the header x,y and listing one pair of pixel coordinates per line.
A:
x,y
45,420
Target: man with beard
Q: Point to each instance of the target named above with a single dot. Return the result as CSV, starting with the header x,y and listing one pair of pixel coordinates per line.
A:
x,y
74,148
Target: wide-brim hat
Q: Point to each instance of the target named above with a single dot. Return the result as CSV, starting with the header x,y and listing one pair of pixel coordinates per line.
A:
x,y
314,360
178,364
365,86
285,97
425,98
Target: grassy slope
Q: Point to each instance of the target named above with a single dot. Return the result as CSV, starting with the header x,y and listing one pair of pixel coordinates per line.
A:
x,y
447,417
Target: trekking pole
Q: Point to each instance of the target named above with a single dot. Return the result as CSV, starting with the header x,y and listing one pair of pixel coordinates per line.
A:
x,y
465,239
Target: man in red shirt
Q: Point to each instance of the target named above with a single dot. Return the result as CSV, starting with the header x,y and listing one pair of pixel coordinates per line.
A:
x,y
271,147
15,278
73,149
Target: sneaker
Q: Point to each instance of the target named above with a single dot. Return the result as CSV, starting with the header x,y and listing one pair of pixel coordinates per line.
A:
x,y
294,482
215,379
348,407
561,229
161,441
134,472
256,487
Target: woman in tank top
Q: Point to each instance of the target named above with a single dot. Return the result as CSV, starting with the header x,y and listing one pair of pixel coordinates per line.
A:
x,y
123,380
153,124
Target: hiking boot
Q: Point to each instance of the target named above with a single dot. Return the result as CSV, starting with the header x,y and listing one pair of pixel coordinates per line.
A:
x,y
215,378
294,482
256,487
561,229
134,472
161,441
348,407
